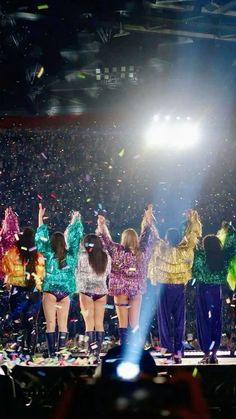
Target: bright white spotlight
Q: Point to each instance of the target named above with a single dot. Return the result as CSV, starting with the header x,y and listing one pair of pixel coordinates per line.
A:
x,y
127,370
186,135
173,135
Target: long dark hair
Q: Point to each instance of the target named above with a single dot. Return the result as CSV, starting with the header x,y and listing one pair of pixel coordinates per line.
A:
x,y
27,251
97,256
214,253
58,244
173,236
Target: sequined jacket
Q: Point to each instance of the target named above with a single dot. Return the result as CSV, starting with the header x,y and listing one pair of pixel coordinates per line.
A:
x,y
203,274
87,281
173,265
57,279
16,272
128,272
8,234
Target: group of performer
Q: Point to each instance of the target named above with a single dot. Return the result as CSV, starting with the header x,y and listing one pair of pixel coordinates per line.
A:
x,y
39,268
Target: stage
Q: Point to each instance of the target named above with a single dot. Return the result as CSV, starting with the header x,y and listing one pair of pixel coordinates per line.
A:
x,y
35,389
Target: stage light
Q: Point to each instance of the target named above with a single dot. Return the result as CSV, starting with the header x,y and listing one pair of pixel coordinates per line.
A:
x,y
127,370
126,362
172,134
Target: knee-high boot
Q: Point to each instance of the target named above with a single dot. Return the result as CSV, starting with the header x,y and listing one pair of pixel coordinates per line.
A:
x,y
99,340
123,335
90,341
62,339
31,340
51,342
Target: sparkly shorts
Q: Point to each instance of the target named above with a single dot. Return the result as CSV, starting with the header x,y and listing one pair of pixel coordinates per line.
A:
x,y
58,294
94,297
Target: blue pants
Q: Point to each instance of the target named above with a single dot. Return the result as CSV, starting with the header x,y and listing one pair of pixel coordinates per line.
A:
x,y
208,310
171,306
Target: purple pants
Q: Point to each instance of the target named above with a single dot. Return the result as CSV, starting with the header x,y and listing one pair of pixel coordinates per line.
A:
x,y
171,313
208,309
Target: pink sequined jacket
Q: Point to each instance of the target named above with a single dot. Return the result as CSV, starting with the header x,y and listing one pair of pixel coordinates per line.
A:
x,y
8,234
128,272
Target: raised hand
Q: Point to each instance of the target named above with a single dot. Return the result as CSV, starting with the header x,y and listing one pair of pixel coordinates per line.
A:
x,y
74,215
41,214
101,220
148,214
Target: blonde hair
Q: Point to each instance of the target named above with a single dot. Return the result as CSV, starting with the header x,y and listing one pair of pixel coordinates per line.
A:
x,y
130,240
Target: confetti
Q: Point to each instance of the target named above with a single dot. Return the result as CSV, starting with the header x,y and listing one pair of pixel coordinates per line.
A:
x,y
121,152
31,249
42,6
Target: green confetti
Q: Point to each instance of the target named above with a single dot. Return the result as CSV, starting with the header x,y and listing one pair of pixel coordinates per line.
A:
x,y
42,6
121,153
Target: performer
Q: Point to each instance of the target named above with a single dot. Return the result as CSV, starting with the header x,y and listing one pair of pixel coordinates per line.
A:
x,y
227,230
170,269
128,273
93,268
60,253
8,233
23,267
210,270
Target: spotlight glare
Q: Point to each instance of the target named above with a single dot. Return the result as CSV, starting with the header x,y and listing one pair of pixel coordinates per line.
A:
x,y
175,135
127,370
156,117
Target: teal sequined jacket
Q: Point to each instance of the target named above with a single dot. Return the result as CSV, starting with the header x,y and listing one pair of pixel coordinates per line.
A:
x,y
57,279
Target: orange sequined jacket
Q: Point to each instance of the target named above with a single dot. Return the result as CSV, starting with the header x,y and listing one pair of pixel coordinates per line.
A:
x,y
16,272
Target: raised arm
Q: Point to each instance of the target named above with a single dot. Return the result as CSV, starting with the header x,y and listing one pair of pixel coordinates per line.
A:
x,y
102,230
42,240
41,214
9,231
74,232
149,221
193,229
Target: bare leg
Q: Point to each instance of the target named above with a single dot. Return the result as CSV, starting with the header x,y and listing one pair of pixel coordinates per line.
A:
x,y
62,308
99,310
87,308
49,309
121,303
134,311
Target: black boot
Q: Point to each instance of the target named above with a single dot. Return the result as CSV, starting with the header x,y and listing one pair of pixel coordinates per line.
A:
x,y
62,339
31,340
99,341
123,335
90,342
51,342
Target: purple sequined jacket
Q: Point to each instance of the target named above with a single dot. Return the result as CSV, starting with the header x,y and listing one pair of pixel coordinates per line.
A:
x,y
128,273
8,234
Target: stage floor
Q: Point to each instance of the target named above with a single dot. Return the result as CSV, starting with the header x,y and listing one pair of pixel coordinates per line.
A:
x,y
193,358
